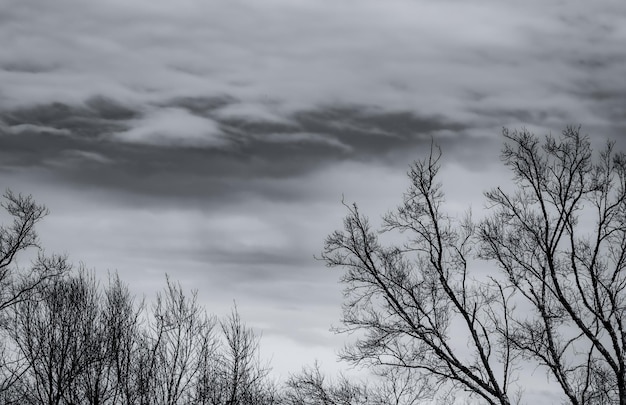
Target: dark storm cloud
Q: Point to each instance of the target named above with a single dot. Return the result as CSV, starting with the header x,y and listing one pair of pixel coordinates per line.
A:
x,y
96,117
77,144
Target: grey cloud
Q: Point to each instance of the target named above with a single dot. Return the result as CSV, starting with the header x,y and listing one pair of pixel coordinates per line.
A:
x,y
203,106
255,152
98,116
413,70
28,67
400,55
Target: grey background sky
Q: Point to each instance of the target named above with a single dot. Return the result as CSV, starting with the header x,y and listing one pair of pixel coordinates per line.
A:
x,y
213,140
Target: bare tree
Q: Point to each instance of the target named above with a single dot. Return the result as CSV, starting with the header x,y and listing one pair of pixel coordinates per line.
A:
x,y
175,349
311,387
560,239
112,341
246,378
54,334
18,285
21,234
399,386
423,306
405,298
211,387
17,237
77,345
120,322
391,386
63,340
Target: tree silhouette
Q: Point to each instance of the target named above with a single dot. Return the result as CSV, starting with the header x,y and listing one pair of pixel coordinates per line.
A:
x,y
559,239
17,285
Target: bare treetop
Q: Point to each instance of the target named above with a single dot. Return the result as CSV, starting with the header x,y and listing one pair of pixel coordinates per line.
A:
x,y
422,305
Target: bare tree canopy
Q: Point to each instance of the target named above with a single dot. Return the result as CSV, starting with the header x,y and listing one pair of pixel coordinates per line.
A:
x,y
66,340
558,302
394,386
17,237
19,285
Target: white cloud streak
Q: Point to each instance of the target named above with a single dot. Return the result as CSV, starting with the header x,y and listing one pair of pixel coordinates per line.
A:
x,y
172,126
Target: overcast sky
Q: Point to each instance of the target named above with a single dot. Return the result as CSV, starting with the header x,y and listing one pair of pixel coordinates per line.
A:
x,y
213,140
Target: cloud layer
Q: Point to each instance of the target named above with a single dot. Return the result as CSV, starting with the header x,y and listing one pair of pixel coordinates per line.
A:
x,y
214,140
484,62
